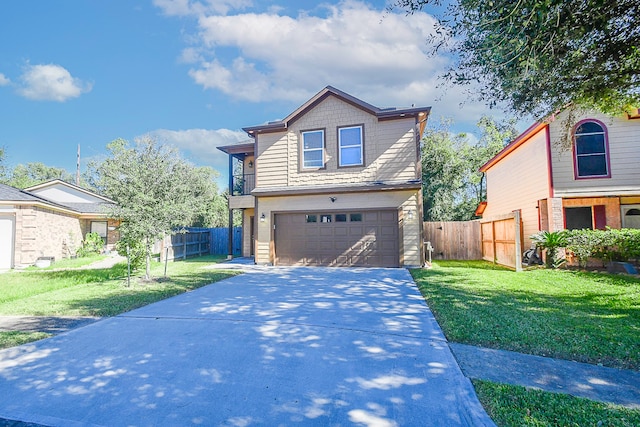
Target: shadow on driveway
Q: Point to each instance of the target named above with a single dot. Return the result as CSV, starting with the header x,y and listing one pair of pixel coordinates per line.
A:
x,y
280,346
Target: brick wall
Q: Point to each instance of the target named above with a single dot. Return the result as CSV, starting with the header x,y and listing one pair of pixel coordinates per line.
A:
x,y
43,232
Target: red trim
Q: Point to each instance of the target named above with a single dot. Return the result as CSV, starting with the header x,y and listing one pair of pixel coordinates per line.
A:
x,y
480,209
606,148
524,137
549,163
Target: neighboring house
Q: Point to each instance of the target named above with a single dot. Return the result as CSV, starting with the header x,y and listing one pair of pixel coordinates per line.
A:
x,y
591,182
335,183
50,220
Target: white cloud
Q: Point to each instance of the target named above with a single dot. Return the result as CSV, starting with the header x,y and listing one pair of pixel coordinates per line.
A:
x,y
4,81
353,46
200,146
51,83
379,56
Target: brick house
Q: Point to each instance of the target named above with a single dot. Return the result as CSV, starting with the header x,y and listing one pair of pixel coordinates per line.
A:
x,y
50,220
335,183
593,183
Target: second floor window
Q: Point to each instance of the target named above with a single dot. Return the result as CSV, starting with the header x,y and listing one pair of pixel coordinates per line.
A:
x,y
313,149
350,146
591,150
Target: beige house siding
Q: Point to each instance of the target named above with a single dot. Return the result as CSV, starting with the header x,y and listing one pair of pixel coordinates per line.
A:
x,y
42,232
405,201
246,231
624,156
389,149
508,190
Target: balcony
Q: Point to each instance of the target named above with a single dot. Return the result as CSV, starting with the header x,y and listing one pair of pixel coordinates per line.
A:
x,y
243,184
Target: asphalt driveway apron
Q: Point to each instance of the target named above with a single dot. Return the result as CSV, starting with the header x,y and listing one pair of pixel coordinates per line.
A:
x,y
276,347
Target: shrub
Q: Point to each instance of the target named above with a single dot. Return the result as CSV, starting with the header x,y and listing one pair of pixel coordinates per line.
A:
x,y
92,244
136,252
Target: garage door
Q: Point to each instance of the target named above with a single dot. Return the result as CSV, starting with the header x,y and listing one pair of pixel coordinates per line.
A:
x,y
354,238
6,242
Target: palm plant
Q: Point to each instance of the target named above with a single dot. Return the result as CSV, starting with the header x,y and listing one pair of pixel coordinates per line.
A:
x,y
551,241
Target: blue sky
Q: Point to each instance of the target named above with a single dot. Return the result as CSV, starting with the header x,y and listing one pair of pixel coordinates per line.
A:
x,y
193,73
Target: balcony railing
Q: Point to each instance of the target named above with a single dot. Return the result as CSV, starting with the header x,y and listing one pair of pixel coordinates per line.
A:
x,y
243,184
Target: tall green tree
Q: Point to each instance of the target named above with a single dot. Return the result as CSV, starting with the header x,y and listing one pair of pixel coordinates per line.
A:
x,y
23,176
452,185
156,191
539,56
3,166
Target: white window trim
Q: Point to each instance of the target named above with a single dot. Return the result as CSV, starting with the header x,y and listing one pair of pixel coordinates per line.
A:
x,y
308,150
361,145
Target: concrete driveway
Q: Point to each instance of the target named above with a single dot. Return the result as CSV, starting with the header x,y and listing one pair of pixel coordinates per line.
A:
x,y
272,347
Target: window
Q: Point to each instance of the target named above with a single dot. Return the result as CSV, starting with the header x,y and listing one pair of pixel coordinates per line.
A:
x,y
325,218
341,217
591,150
313,149
350,146
311,218
356,217
99,227
590,217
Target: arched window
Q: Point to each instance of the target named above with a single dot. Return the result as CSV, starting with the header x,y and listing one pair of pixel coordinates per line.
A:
x,y
591,150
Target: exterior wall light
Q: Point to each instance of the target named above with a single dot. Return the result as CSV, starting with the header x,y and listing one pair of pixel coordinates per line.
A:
x,y
262,217
250,164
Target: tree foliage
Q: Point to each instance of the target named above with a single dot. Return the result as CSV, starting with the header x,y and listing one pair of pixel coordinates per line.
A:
x,y
23,176
452,185
156,191
539,56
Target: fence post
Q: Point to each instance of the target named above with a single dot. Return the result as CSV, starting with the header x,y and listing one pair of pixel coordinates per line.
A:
x,y
518,240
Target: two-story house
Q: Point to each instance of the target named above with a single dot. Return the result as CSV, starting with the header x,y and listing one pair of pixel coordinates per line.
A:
x,y
335,183
589,180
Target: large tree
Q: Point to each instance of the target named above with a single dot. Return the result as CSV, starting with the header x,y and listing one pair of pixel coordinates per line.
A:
x,y
452,185
23,176
156,191
539,56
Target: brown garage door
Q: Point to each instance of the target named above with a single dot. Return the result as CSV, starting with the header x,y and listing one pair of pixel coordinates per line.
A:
x,y
354,238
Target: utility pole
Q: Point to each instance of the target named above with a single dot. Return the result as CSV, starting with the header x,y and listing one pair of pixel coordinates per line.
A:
x,y
78,168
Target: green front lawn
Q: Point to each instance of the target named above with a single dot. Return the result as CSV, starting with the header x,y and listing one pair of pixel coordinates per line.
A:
x,y
97,292
587,317
515,406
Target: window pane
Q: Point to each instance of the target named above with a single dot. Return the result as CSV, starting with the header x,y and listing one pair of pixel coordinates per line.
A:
x,y
592,165
325,218
350,156
350,136
341,217
313,139
589,127
356,217
99,227
313,158
588,144
311,218
578,218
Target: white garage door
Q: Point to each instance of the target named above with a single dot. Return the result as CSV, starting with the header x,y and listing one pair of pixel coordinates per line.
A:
x,y
6,242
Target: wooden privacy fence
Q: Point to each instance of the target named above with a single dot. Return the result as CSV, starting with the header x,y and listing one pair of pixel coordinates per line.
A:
x,y
497,239
454,239
198,242
502,240
220,240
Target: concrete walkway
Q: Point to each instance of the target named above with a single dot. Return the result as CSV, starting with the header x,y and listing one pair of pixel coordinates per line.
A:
x,y
279,346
